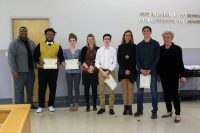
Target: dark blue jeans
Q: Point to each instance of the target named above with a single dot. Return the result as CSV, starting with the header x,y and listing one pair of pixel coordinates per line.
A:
x,y
153,88
73,82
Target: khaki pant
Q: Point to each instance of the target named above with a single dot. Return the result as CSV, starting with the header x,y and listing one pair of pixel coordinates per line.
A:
x,y
127,91
102,87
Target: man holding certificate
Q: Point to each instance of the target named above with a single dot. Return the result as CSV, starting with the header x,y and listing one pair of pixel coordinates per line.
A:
x,y
106,61
147,58
48,55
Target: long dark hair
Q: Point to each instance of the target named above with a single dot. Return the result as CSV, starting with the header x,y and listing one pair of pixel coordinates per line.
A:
x,y
123,37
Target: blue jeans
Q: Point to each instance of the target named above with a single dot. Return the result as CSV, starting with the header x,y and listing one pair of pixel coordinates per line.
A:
x,y
25,79
153,88
73,82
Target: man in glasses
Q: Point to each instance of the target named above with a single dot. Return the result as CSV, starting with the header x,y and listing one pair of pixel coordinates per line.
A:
x,y
20,58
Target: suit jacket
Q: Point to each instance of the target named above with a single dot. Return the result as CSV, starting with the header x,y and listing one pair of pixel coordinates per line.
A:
x,y
18,57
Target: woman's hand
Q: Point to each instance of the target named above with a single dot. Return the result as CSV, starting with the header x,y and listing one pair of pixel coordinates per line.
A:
x,y
183,79
127,72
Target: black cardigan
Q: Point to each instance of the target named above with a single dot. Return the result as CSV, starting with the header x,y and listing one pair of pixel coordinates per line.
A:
x,y
126,64
171,61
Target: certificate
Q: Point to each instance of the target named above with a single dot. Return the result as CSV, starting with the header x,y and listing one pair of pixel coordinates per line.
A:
x,y
111,82
50,63
71,64
145,81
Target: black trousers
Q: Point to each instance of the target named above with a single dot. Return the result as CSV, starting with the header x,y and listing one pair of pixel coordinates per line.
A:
x,y
87,93
170,85
47,77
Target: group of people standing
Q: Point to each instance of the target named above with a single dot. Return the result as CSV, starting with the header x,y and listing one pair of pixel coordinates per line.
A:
x,y
164,64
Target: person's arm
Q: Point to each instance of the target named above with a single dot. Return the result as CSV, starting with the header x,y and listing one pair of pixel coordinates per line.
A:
x,y
138,63
60,55
119,59
83,52
36,55
156,58
97,60
114,62
11,57
181,65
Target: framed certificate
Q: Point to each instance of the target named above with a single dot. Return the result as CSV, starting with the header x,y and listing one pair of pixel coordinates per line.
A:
x,y
71,64
145,81
50,63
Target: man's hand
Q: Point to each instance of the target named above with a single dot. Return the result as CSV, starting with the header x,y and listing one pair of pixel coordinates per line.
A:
x,y
15,74
41,63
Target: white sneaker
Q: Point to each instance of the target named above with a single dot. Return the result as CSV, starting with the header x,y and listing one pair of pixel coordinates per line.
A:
x,y
39,110
51,109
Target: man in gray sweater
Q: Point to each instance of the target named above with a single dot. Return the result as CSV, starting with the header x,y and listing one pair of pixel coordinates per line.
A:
x,y
20,58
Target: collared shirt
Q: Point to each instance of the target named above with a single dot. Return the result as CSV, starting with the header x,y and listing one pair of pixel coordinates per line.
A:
x,y
106,58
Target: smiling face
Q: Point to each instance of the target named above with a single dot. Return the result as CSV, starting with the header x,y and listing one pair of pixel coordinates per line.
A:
x,y
50,36
146,33
91,41
106,41
23,33
128,37
167,38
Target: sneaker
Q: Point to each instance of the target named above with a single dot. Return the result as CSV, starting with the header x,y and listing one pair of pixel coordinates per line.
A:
x,y
138,113
39,110
101,111
154,116
51,109
111,112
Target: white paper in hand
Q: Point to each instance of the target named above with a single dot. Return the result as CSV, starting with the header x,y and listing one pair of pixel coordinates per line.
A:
x,y
145,81
71,64
111,82
50,63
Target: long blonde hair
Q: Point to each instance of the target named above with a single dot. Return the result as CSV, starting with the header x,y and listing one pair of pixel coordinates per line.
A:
x,y
91,35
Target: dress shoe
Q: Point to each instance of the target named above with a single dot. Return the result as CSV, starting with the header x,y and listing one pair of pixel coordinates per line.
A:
x,y
111,112
169,114
101,111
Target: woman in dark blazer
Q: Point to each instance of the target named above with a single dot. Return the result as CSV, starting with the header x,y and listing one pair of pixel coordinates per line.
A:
x,y
89,71
170,69
127,69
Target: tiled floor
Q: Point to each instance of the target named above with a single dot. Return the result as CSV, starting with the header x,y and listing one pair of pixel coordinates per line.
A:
x,y
63,121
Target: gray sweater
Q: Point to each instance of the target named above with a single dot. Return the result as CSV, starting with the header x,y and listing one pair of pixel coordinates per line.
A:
x,y
17,55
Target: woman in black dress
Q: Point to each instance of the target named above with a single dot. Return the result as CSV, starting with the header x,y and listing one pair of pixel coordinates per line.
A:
x,y
170,69
89,71
127,69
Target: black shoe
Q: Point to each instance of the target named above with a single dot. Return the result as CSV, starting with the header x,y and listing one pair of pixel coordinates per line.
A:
x,y
111,111
88,109
130,112
95,108
138,113
154,116
168,115
101,111
125,110
33,107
